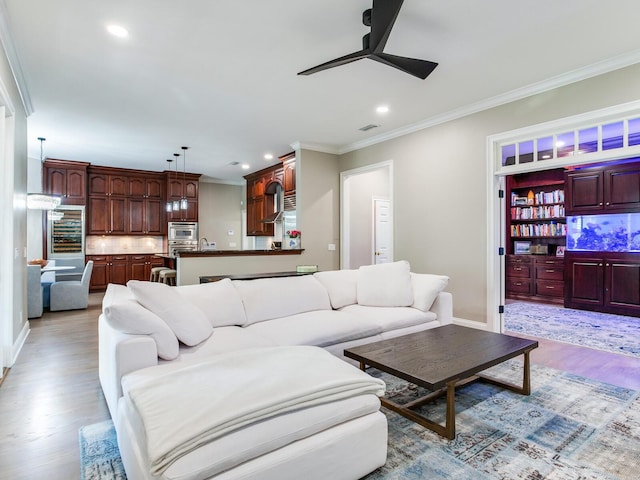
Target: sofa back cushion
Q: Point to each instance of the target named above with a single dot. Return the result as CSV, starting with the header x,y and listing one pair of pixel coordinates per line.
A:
x,y
185,319
341,286
219,301
426,288
385,285
268,298
128,316
115,294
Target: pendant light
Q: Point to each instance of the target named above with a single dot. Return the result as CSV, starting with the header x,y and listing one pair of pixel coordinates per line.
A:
x,y
169,205
176,203
183,201
41,201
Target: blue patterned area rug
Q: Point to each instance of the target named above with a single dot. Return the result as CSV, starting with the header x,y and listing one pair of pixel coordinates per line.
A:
x,y
568,428
99,454
602,331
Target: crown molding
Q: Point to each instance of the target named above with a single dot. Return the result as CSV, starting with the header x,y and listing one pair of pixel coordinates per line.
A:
x,y
14,61
605,66
316,147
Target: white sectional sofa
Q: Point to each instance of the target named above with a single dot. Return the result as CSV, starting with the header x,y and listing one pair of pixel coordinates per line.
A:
x,y
152,334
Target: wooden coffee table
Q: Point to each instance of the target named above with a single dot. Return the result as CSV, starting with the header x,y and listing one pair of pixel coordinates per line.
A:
x,y
440,359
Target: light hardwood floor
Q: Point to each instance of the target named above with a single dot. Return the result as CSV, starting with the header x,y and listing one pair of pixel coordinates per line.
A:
x,y
53,390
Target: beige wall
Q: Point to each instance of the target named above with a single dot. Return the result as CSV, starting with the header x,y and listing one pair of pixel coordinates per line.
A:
x,y
219,211
318,207
440,181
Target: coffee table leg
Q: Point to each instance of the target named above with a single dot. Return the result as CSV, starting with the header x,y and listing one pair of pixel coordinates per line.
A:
x,y
450,421
525,389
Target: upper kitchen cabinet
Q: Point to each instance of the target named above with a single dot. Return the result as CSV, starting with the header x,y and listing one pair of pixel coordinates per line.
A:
x,y
289,173
146,186
261,204
603,189
66,179
106,182
182,186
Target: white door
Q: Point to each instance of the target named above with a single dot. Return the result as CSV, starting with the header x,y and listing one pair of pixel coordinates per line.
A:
x,y
382,231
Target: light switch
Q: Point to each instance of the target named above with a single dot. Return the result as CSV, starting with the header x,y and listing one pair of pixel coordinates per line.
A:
x,y
332,247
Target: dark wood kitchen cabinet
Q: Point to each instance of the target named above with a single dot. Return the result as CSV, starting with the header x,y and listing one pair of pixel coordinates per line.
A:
x,y
183,186
107,215
604,282
603,189
66,179
107,269
259,203
145,216
139,266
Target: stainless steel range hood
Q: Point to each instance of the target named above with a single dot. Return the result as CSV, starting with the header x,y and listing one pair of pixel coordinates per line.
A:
x,y
274,189
273,218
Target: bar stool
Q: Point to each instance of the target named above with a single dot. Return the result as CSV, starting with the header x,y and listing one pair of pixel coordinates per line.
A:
x,y
155,273
168,276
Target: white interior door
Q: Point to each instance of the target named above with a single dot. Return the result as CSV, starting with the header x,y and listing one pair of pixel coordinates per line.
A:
x,y
382,231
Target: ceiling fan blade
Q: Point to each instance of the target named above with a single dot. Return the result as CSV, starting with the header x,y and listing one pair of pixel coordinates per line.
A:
x,y
352,57
383,16
413,66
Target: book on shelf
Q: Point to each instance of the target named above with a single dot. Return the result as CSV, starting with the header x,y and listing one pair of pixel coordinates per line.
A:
x,y
550,229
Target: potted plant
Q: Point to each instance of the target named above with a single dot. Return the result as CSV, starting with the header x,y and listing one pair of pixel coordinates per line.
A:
x,y
294,238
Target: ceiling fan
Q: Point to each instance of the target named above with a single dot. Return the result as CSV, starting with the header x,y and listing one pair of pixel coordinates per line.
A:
x,y
380,18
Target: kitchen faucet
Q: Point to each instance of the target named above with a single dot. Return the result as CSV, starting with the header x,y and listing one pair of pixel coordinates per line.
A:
x,y
200,243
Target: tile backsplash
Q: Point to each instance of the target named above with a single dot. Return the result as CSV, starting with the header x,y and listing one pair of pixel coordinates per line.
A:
x,y
112,245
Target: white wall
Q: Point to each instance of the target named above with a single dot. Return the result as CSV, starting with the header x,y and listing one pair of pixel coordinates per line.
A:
x,y
220,211
440,184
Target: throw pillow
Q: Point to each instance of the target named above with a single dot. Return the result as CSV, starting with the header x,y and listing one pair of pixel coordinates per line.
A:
x,y
385,285
185,319
131,317
341,285
219,301
426,288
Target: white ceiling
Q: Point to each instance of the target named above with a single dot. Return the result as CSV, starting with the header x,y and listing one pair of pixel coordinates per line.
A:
x,y
220,75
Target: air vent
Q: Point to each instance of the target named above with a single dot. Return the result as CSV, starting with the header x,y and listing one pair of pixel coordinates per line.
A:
x,y
368,127
234,163
290,202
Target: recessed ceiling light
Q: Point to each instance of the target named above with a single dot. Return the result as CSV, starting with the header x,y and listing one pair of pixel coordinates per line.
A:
x,y
117,31
382,109
246,166
268,156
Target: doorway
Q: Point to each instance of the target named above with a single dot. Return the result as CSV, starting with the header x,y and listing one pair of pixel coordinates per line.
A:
x,y
366,205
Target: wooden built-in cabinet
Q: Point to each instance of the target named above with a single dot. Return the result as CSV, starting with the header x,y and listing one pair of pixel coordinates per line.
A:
x,y
603,281
535,277
604,189
65,179
120,269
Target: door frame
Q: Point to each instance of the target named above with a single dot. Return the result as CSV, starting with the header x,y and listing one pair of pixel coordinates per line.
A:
x,y
496,173
345,224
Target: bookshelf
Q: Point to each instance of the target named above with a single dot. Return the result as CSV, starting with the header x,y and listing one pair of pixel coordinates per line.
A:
x,y
535,228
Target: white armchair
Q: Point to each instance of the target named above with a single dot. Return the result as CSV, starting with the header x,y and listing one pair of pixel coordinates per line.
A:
x,y
72,295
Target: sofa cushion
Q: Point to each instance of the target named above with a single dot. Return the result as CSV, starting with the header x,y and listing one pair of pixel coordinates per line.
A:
x,y
341,286
385,285
426,288
390,318
185,319
268,298
317,328
115,294
130,317
219,301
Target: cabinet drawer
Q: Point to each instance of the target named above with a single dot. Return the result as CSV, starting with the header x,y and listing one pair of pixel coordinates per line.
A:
x,y
515,285
549,273
548,288
519,271
549,261
518,259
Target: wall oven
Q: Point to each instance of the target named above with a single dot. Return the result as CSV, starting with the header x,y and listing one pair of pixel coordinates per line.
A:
x,y
183,231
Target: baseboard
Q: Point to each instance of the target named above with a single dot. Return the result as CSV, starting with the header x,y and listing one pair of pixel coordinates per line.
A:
x,y
19,343
463,322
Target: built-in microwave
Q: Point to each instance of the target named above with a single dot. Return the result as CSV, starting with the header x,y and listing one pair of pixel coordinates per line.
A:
x,y
183,231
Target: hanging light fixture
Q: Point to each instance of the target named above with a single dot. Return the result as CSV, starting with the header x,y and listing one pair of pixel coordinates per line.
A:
x,y
176,203
169,205
41,201
183,201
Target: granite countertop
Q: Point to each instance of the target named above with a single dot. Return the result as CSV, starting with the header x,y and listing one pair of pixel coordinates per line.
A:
x,y
230,253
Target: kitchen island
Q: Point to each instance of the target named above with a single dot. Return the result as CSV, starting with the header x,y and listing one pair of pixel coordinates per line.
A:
x,y
190,266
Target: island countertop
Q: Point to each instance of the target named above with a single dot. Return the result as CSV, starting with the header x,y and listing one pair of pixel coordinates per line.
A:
x,y
236,253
